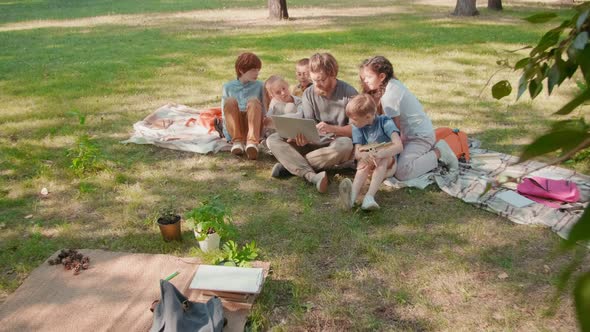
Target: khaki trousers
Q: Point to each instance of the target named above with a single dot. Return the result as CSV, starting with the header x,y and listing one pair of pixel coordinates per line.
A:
x,y
417,158
300,160
244,127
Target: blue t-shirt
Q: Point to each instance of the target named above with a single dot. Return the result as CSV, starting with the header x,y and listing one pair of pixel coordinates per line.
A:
x,y
378,132
242,92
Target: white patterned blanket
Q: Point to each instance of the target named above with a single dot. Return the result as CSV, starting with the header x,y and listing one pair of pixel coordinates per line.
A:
x,y
175,126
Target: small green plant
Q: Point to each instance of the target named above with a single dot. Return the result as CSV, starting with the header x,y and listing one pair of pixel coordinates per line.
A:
x,y
211,217
233,255
167,216
86,156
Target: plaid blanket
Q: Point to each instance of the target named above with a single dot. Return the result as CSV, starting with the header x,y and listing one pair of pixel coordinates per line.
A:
x,y
486,165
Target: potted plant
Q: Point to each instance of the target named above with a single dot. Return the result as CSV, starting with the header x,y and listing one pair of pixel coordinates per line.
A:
x,y
211,221
169,223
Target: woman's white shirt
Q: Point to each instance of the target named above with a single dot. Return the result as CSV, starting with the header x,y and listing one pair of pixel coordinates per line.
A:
x,y
397,100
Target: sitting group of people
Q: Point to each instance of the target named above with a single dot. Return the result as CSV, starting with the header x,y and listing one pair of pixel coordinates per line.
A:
x,y
384,129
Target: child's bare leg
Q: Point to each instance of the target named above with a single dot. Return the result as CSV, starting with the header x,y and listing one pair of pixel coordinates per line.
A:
x,y
254,120
254,127
234,125
363,170
379,175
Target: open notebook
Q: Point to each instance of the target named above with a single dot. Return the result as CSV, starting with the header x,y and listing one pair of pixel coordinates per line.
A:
x,y
228,279
515,199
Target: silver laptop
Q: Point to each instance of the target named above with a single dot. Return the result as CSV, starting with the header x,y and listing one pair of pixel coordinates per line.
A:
x,y
290,127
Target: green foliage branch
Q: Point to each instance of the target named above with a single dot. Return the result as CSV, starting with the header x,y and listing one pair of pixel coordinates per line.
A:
x,y
560,53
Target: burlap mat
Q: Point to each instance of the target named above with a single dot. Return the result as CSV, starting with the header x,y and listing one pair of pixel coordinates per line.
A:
x,y
114,294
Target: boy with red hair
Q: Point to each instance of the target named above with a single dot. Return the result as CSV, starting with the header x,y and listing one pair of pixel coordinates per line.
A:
x,y
241,104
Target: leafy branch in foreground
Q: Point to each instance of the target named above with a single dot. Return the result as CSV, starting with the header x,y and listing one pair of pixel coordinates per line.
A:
x,y
553,60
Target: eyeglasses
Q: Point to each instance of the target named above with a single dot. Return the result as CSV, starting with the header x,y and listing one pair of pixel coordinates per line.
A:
x,y
320,80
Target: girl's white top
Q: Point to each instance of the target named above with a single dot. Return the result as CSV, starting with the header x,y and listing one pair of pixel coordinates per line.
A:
x,y
399,101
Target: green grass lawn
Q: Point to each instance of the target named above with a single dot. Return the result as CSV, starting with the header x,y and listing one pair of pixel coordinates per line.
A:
x,y
425,261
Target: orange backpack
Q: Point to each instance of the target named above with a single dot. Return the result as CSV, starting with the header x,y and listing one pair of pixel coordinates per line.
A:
x,y
457,140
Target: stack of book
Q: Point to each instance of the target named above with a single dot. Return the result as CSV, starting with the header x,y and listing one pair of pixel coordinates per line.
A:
x,y
236,284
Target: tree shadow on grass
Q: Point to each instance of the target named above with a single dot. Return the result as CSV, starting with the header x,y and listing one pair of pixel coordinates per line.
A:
x,y
405,246
344,265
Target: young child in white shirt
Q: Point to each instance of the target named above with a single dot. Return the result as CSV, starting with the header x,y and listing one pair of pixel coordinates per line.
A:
x,y
279,101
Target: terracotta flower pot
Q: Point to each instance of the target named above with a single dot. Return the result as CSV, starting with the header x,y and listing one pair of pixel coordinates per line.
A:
x,y
170,228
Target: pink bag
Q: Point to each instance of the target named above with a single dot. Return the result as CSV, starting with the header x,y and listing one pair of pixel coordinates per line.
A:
x,y
543,190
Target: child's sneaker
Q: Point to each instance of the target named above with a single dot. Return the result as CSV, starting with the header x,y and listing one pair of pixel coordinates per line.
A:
x,y
447,156
252,151
345,190
237,149
369,203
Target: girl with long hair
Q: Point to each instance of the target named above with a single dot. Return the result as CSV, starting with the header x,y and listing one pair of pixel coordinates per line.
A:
x,y
420,154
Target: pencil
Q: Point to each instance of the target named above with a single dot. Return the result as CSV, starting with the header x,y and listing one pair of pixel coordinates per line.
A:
x,y
172,276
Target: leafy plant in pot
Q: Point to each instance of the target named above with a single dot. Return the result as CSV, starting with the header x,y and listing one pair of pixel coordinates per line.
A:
x,y
169,223
211,221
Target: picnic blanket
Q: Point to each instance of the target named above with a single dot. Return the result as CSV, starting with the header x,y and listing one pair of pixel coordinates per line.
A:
x,y
175,126
114,294
485,166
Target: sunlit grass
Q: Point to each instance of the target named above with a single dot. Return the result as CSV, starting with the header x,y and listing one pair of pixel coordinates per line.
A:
x,y
426,261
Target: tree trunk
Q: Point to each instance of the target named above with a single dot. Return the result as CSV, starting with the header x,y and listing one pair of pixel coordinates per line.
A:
x,y
465,8
277,10
495,4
